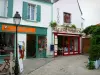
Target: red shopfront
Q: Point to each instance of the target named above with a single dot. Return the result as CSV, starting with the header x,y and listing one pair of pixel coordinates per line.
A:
x,y
66,43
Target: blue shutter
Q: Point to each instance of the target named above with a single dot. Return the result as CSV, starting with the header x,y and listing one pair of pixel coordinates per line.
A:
x,y
10,8
38,18
25,11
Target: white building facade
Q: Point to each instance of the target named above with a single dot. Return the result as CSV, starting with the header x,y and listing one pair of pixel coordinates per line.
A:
x,y
35,36
71,8
32,31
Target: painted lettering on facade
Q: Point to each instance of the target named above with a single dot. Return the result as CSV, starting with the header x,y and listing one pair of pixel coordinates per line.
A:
x,y
66,30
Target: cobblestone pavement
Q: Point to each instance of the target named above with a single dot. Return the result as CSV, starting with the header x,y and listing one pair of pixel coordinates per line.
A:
x,y
34,63
66,65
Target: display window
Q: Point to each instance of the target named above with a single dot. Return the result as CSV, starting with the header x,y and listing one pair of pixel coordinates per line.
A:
x,y
42,43
7,41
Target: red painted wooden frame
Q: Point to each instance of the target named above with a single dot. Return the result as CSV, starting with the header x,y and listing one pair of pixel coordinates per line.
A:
x,y
70,36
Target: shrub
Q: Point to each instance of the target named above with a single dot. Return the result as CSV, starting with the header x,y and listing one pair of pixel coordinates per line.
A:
x,y
73,26
53,24
91,65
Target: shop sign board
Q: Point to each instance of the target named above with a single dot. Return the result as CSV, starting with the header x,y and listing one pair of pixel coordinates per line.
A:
x,y
12,28
60,29
26,29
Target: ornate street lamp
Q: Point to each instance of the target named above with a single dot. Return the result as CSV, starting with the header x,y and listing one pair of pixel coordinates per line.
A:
x,y
16,19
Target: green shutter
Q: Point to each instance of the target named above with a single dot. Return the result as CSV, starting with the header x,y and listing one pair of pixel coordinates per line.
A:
x,y
10,8
38,19
25,10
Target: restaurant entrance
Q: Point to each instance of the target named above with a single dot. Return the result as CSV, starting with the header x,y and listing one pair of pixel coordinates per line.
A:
x,y
66,44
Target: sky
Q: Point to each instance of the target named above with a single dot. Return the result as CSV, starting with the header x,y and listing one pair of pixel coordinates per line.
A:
x,y
91,11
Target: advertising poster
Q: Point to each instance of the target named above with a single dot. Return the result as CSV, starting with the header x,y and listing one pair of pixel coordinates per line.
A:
x,y
21,47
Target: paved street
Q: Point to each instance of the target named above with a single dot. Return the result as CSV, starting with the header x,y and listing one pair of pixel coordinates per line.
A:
x,y
34,63
66,65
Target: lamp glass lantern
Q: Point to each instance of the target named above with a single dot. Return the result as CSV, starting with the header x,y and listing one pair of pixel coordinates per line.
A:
x,y
17,18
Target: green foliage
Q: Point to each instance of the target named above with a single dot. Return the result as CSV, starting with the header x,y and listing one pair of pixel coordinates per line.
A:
x,y
53,24
73,26
91,65
67,26
89,29
94,51
96,30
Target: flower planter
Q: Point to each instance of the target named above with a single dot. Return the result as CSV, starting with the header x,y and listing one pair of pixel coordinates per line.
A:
x,y
96,63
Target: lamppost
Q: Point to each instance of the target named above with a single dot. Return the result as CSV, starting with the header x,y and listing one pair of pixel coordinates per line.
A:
x,y
16,19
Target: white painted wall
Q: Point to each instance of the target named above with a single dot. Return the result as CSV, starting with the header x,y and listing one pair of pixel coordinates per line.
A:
x,y
69,6
49,41
45,13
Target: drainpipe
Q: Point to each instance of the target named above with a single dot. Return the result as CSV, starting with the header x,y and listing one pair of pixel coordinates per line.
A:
x,y
51,21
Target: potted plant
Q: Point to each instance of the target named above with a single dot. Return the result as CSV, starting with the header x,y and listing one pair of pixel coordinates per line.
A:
x,y
53,24
90,65
66,26
73,26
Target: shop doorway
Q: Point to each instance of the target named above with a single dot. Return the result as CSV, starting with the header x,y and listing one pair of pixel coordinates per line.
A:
x,y
60,45
31,45
67,45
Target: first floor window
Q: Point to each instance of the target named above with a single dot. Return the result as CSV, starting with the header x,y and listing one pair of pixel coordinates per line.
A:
x,y
31,12
67,17
3,7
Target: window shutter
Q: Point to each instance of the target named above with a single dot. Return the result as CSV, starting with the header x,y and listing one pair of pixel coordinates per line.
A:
x,y
10,8
38,18
25,10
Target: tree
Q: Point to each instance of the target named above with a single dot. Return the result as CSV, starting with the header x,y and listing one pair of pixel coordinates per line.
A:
x,y
94,51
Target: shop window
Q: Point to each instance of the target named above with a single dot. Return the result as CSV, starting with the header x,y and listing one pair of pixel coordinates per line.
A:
x,y
66,43
42,43
3,8
67,17
31,12
76,44
6,43
71,44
